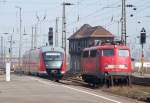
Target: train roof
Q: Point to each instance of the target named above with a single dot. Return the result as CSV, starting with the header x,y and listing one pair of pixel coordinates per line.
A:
x,y
106,46
51,48
46,48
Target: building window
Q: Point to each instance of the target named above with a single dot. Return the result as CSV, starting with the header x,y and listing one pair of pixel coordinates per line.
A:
x,y
71,46
74,46
79,44
85,54
85,43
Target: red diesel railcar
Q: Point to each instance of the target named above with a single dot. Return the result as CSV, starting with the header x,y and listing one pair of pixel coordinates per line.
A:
x,y
47,60
106,62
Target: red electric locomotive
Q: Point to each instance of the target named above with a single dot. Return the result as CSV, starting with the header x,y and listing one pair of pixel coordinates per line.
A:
x,y
47,60
108,61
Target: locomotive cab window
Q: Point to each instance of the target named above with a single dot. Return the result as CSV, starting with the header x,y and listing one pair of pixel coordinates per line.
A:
x,y
123,52
85,54
108,52
93,53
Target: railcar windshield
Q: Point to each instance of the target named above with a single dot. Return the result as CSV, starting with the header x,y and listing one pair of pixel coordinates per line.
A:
x,y
123,52
108,52
53,60
54,56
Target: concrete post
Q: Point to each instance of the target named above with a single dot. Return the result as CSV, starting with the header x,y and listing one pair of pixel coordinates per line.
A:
x,y
7,72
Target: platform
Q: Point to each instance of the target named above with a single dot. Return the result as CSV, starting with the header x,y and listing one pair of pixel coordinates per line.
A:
x,y
30,89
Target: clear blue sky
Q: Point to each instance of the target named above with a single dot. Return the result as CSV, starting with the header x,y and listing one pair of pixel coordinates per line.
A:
x,y
105,13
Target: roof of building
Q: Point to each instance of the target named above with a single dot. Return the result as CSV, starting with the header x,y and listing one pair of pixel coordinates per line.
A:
x,y
88,31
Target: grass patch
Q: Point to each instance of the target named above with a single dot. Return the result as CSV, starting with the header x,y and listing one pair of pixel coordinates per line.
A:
x,y
135,92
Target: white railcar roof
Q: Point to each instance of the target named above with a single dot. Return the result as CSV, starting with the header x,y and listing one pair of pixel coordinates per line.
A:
x,y
51,48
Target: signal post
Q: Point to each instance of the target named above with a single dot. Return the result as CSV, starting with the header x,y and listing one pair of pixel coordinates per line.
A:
x,y
142,42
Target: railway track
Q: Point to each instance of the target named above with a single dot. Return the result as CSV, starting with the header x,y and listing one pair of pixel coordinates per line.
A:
x,y
135,80
141,81
77,79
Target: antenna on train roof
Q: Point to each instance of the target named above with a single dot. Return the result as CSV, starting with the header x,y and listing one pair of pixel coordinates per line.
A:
x,y
116,42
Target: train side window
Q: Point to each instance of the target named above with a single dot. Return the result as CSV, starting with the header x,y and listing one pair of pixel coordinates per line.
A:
x,y
108,52
123,52
93,53
85,54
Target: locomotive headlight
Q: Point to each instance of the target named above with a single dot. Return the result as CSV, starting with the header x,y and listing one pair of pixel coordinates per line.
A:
x,y
62,72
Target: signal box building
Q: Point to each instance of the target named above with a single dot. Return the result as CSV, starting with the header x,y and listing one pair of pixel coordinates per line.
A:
x,y
86,36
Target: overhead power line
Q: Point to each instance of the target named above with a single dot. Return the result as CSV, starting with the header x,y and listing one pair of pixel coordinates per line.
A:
x,y
102,14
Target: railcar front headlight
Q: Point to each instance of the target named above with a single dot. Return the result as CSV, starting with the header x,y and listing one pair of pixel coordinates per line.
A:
x,y
62,72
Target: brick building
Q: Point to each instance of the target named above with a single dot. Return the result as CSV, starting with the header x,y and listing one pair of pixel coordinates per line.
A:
x,y
86,36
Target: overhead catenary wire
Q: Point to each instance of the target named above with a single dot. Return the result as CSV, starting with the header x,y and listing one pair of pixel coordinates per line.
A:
x,y
92,14
74,22
111,23
105,13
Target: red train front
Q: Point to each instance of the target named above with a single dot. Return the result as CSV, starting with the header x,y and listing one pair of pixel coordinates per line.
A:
x,y
54,61
105,61
47,60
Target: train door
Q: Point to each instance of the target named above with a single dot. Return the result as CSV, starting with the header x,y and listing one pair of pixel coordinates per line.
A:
x,y
36,61
99,54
